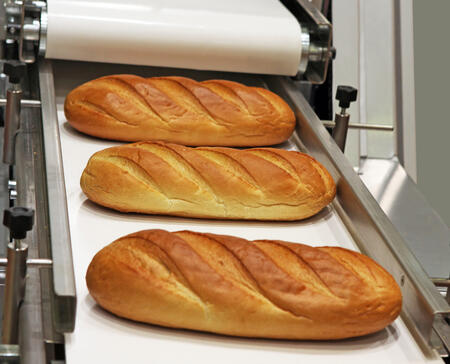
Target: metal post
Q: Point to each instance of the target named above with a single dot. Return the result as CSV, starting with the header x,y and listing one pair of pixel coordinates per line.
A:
x,y
12,123
19,220
340,129
15,72
345,95
14,290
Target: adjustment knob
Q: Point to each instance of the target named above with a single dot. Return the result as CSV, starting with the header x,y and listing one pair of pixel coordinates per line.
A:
x,y
346,95
19,220
15,71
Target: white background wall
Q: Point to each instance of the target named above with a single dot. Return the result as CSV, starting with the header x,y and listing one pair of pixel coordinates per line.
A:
x,y
416,93
431,22
364,39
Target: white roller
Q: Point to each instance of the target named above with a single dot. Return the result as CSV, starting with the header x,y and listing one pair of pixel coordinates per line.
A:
x,y
253,36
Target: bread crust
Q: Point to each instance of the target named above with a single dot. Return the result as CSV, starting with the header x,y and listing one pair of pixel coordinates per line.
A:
x,y
208,182
231,286
179,110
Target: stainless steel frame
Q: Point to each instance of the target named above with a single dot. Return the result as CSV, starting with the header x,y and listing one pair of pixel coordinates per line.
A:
x,y
316,40
63,274
375,235
50,298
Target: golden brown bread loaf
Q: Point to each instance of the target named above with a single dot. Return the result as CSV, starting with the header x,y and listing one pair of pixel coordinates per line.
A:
x,y
228,285
179,110
207,182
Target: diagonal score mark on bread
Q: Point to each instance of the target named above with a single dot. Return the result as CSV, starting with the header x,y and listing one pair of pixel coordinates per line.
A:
x,y
156,177
233,286
296,266
146,106
259,102
227,262
357,263
227,93
253,101
322,266
115,92
231,165
189,100
151,259
252,106
101,109
134,169
181,165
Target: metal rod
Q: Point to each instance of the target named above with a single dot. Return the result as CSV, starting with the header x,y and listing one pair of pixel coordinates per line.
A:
x,y
441,282
33,262
39,263
331,124
24,103
14,291
12,123
22,22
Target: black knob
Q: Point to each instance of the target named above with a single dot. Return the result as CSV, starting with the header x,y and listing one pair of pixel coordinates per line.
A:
x,y
19,220
346,95
15,71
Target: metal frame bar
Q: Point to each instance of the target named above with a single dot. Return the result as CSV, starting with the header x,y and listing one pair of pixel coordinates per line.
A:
x,y
63,272
30,185
379,127
24,103
404,86
370,227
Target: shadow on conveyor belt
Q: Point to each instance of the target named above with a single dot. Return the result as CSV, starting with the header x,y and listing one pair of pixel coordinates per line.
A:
x,y
93,208
101,317
74,133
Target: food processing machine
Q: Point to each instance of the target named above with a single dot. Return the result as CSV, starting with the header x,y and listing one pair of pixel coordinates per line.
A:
x,y
51,232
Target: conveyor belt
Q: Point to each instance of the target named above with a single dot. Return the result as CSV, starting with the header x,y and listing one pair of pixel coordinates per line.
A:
x,y
103,338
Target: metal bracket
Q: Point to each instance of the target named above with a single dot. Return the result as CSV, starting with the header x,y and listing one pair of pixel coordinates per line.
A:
x,y
24,103
442,282
21,28
316,40
378,127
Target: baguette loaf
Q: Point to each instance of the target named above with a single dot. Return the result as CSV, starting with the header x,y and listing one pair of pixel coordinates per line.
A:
x,y
179,110
228,285
207,182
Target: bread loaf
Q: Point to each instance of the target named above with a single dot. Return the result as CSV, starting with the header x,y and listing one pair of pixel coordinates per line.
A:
x,y
179,110
207,182
232,286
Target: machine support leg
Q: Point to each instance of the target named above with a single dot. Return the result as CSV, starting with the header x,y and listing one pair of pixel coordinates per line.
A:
x,y
341,128
16,271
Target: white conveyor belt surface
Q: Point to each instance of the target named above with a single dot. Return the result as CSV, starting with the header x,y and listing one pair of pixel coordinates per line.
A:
x,y
101,337
253,36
